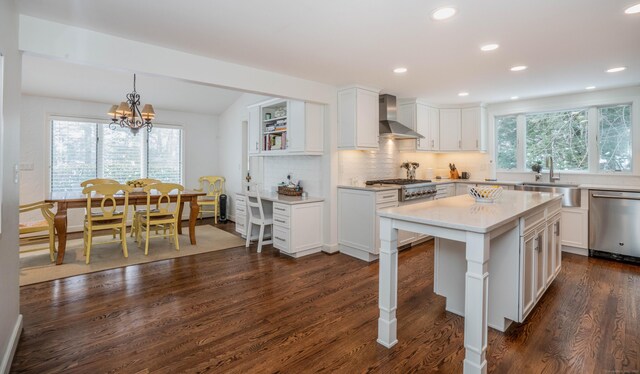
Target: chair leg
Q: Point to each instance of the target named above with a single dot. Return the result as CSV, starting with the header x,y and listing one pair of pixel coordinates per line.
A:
x,y
175,237
123,238
215,214
52,243
139,234
260,238
146,244
133,225
89,238
248,233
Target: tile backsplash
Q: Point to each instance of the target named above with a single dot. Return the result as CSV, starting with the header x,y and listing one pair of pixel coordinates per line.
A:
x,y
306,169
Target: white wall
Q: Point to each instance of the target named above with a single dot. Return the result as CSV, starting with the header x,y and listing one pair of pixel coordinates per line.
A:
x,y
10,319
200,141
603,97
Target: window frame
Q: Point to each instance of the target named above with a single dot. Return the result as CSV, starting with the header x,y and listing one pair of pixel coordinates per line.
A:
x,y
57,117
520,110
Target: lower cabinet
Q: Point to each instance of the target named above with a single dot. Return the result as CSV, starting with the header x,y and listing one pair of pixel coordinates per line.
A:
x,y
297,228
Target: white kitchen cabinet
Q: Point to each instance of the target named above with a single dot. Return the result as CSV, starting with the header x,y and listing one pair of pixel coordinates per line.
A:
x,y
472,129
254,130
575,224
300,131
445,190
358,118
463,188
358,222
423,119
297,228
450,129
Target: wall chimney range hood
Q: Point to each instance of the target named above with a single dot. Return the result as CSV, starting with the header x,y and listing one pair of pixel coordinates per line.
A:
x,y
389,126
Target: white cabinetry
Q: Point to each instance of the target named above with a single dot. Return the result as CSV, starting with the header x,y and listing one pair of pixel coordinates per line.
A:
x,y
423,119
463,188
358,222
463,129
297,228
358,118
286,127
575,223
445,190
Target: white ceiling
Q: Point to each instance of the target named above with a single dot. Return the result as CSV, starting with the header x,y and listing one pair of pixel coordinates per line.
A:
x,y
45,77
566,44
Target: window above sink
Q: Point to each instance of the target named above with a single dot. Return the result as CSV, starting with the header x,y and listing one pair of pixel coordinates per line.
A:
x,y
590,139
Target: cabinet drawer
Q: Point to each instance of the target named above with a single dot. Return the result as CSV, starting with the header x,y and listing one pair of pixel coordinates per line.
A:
x,y
240,228
280,220
531,221
241,208
240,200
281,209
386,196
281,239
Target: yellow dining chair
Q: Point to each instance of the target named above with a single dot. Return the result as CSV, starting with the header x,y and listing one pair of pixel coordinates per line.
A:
x,y
27,229
93,182
163,215
214,187
107,216
143,182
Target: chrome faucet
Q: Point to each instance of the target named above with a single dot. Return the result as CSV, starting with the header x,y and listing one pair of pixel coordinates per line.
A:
x,y
552,176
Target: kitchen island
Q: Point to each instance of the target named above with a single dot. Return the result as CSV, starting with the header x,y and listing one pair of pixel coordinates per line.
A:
x,y
521,232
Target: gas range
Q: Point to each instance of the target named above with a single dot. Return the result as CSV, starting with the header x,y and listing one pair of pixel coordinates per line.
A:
x,y
410,189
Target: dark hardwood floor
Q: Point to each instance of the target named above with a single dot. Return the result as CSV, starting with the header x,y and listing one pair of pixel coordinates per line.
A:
x,y
242,312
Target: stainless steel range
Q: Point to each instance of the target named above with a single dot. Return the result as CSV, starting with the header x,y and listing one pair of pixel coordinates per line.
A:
x,y
410,189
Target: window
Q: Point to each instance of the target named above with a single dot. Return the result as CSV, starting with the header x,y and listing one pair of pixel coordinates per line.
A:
x,y
82,150
593,139
614,124
507,142
562,135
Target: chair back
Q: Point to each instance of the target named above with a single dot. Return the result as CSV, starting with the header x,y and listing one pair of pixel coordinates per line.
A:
x,y
212,185
93,182
45,210
106,195
163,204
254,205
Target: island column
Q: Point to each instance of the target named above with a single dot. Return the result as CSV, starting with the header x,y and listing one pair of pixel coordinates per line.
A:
x,y
388,283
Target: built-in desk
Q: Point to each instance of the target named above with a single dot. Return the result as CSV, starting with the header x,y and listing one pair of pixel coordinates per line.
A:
x,y
297,222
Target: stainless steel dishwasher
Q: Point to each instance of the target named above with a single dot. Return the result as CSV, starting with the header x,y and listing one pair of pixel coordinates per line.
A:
x,y
614,225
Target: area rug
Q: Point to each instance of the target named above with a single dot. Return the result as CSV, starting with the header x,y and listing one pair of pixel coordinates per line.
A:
x,y
35,267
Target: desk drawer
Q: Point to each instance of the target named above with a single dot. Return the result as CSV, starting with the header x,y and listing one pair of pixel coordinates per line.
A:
x,y
241,208
281,209
386,196
281,239
282,221
240,228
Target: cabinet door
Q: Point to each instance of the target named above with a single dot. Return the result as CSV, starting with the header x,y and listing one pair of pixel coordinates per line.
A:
x,y
462,188
527,274
433,115
295,126
470,129
450,130
575,227
423,127
539,261
254,131
367,119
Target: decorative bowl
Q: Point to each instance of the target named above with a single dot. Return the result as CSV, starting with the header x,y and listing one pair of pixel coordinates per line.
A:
x,y
485,193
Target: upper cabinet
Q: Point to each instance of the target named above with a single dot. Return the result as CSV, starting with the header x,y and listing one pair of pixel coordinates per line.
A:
x,y
358,118
286,127
423,119
450,130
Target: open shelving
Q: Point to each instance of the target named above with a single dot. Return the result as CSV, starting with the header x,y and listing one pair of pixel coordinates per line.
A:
x,y
274,126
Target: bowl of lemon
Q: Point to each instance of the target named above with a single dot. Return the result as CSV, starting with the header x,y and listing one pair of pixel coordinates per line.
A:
x,y
485,193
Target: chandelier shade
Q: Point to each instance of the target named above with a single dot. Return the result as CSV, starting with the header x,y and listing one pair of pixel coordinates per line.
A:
x,y
128,115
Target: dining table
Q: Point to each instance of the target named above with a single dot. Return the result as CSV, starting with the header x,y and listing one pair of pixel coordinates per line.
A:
x,y
66,200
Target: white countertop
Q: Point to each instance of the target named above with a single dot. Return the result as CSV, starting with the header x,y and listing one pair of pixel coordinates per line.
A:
x,y
477,181
376,188
463,213
289,200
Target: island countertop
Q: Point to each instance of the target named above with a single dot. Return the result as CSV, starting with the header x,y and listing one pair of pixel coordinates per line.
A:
x,y
464,213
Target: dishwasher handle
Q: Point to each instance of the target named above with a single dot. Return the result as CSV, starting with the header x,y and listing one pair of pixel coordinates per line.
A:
x,y
622,197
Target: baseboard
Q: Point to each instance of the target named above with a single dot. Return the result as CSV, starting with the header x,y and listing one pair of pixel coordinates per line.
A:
x,y
7,357
330,248
575,250
357,253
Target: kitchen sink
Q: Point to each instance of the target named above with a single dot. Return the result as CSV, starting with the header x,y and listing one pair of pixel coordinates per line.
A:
x,y
570,192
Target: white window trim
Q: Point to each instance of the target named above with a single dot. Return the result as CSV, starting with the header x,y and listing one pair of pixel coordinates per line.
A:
x,y
591,105
85,118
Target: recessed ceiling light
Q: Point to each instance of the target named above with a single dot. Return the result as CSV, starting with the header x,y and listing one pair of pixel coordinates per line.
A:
x,y
489,47
400,70
519,68
616,69
590,88
633,9
462,94
443,13
514,97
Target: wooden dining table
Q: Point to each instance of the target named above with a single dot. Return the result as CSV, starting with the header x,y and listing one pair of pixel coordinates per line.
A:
x,y
74,200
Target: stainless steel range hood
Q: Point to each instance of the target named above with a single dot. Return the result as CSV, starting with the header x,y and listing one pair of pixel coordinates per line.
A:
x,y
389,127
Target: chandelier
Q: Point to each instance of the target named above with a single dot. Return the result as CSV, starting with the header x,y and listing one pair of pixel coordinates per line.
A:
x,y
128,113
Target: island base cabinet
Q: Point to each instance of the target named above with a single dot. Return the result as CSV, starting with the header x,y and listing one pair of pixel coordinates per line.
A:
x,y
521,268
